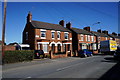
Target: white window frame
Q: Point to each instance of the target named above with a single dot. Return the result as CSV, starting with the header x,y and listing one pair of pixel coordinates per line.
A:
x,y
89,38
53,35
81,37
43,31
68,35
41,34
92,38
58,35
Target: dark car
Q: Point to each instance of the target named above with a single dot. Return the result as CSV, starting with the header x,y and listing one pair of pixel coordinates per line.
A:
x,y
84,53
37,53
117,53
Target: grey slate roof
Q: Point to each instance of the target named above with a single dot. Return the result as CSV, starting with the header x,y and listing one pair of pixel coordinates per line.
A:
x,y
114,36
49,26
81,31
99,34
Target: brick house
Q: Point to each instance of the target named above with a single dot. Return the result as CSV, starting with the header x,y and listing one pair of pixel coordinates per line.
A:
x,y
101,36
47,36
82,39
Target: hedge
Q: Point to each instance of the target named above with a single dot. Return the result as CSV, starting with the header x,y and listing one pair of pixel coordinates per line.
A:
x,y
18,56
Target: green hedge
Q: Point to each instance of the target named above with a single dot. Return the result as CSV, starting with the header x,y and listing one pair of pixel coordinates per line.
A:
x,y
18,56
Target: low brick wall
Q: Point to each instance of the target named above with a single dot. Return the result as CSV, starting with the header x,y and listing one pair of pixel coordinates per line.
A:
x,y
52,56
59,56
9,48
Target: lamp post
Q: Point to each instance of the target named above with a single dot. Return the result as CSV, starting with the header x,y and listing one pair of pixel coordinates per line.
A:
x,y
3,28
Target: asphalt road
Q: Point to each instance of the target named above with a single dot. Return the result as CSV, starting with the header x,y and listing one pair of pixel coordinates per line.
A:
x,y
72,67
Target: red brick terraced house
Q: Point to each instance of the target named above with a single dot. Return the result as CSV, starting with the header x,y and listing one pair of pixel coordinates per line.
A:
x,y
82,39
47,36
101,36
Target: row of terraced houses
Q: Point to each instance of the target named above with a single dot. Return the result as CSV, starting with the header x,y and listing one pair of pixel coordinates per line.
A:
x,y
63,38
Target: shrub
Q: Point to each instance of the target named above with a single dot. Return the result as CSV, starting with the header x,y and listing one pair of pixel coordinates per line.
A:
x,y
18,56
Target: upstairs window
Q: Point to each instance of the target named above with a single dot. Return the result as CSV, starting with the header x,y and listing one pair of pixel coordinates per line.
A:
x,y
88,37
66,35
43,34
92,37
53,35
58,35
82,37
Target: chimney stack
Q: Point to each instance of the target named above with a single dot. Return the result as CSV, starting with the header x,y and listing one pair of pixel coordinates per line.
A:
x,y
105,32
29,17
68,25
114,33
87,28
118,34
100,31
61,23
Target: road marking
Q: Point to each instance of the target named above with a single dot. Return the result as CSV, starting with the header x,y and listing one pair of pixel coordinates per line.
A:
x,y
25,78
28,77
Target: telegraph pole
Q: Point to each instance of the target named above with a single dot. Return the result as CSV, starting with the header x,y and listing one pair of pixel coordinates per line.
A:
x,y
3,28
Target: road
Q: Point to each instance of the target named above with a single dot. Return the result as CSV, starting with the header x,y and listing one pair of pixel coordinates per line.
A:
x,y
72,67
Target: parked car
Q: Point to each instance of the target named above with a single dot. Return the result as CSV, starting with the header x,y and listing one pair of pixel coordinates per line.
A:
x,y
84,53
37,54
117,53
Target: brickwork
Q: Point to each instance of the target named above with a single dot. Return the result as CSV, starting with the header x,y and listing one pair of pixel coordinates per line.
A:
x,y
9,48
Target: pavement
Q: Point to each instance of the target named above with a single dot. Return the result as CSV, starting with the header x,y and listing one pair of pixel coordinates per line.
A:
x,y
72,67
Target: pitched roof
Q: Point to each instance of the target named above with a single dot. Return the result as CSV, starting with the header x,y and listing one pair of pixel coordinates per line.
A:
x,y
114,36
49,26
99,34
81,31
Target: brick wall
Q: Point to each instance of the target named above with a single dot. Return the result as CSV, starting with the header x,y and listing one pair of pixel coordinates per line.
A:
x,y
9,48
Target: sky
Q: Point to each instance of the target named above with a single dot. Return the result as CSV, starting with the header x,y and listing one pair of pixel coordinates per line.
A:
x,y
80,14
